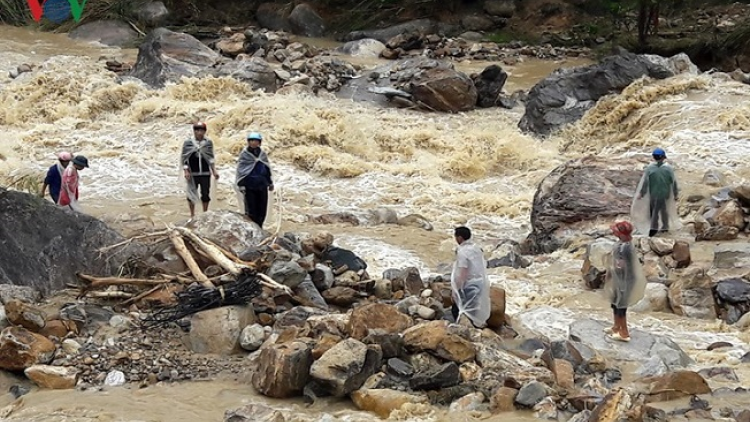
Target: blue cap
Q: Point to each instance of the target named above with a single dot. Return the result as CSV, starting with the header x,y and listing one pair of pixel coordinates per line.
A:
x,y
658,152
254,135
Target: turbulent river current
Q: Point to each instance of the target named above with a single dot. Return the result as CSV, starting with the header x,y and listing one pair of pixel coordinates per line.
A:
x,y
331,155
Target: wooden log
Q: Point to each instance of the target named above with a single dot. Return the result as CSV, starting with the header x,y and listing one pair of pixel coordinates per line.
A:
x,y
212,251
114,294
184,253
94,282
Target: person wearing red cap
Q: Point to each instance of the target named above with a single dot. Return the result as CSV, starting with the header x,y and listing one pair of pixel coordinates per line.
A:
x,y
54,176
625,283
198,164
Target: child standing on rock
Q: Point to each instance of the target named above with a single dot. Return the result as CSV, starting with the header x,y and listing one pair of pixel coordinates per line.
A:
x,y
625,283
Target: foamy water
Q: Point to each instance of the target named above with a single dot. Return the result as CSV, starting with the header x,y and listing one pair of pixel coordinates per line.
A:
x,y
330,155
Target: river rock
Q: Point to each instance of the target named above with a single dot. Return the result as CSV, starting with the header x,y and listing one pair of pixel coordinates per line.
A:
x,y
444,90
732,255
391,344
377,316
565,95
655,299
306,21
52,377
341,296
469,403
729,214
218,330
581,190
384,401
497,308
253,71
108,32
166,56
508,254
252,337
322,277
420,26
25,294
366,47
435,378
310,296
661,245
21,213
346,366
691,295
564,374
274,16
20,349
594,267
489,84
531,394
591,333
232,46
152,13
612,407
503,400
681,254
283,369
296,317
543,322
434,337
288,273
500,8
713,177
25,315
675,385
733,290
254,412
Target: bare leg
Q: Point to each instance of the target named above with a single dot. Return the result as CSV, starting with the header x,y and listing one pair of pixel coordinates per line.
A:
x,y
205,206
192,209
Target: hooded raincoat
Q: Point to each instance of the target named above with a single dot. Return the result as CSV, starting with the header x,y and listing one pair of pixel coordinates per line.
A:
x,y
473,299
254,176
655,206
625,282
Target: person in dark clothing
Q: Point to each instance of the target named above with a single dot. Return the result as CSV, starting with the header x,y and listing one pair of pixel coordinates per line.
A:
x,y
54,176
198,164
659,193
254,178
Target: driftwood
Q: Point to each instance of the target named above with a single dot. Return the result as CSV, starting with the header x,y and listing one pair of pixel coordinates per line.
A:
x,y
184,253
94,282
213,252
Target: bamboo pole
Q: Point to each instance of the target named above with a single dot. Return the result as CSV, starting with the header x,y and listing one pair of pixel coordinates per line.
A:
x,y
184,253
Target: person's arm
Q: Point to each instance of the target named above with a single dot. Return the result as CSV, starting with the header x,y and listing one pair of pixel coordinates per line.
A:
x,y
462,263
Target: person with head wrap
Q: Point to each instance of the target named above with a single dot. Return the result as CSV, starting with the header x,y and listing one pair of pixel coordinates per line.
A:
x,y
198,164
254,179
625,283
654,208
70,183
53,179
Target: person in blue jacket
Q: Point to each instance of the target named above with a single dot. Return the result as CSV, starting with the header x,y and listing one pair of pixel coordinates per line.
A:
x,y
53,179
254,178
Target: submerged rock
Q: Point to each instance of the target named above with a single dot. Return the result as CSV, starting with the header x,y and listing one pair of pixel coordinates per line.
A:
x,y
108,32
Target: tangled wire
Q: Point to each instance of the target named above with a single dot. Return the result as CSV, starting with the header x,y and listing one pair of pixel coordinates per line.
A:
x,y
198,298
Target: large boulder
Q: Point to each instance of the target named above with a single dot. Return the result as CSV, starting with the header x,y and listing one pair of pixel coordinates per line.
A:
x,y
444,90
253,71
53,377
108,32
591,333
675,385
306,21
691,295
435,337
729,255
166,56
153,13
579,191
274,16
346,366
20,349
365,47
48,256
733,298
231,230
377,317
421,26
217,331
283,370
565,95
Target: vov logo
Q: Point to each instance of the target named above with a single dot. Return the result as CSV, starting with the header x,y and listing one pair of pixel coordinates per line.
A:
x,y
57,11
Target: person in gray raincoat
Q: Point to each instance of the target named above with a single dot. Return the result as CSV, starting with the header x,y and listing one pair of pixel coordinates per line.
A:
x,y
198,164
254,179
625,283
469,283
654,208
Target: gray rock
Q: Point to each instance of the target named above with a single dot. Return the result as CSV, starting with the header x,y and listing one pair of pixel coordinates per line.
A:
x,y
3,317
217,331
42,271
296,317
153,13
732,255
656,299
422,26
25,294
531,394
288,273
565,95
365,47
591,333
309,294
166,56
254,412
713,177
346,366
653,367
435,378
252,337
594,262
254,71
489,85
306,21
733,290
108,32
323,277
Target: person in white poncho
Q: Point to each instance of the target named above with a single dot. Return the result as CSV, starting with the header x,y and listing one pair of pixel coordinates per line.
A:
x,y
469,283
198,164
254,178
